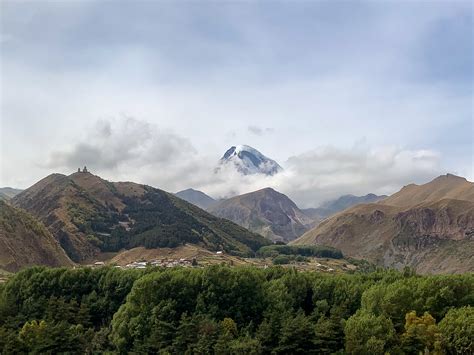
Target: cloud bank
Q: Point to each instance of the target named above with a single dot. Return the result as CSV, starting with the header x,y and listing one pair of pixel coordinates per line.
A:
x,y
132,149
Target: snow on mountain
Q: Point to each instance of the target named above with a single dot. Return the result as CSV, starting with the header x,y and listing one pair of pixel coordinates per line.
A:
x,y
248,160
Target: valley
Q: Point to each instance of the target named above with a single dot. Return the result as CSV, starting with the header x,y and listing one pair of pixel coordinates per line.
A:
x,y
82,219
194,256
89,266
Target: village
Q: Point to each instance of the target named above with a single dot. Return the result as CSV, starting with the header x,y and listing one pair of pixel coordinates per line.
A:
x,y
159,263
220,258
168,261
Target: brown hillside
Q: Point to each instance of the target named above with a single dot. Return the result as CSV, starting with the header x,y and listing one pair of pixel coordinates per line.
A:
x,y
62,205
25,241
420,226
267,212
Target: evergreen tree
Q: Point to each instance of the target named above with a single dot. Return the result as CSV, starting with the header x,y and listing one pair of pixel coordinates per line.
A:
x,y
297,336
457,329
366,333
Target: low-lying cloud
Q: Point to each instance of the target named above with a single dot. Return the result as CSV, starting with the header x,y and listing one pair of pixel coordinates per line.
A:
x,y
131,149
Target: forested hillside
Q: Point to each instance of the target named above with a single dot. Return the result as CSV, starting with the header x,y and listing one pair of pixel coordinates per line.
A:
x,y
89,215
223,310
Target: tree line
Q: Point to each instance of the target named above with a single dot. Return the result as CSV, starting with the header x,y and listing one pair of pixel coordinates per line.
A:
x,y
241,310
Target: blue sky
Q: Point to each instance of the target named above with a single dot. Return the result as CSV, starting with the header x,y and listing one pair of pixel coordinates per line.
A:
x,y
361,87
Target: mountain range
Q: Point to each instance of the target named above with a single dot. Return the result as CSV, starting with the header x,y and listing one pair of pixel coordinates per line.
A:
x,y
271,213
428,227
88,215
67,219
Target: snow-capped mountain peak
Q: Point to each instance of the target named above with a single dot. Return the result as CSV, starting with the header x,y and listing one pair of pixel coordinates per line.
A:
x,y
248,160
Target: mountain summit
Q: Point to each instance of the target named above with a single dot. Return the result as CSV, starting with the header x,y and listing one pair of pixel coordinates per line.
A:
x,y
266,212
248,160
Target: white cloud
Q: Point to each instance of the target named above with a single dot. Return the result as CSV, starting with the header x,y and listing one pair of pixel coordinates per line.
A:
x,y
328,172
115,146
131,149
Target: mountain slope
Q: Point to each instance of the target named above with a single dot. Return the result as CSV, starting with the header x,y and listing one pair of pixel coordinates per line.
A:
x,y
420,226
88,214
266,212
331,207
196,197
248,160
6,193
24,241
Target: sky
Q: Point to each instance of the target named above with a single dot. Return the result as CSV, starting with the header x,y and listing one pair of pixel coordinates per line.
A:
x,y
348,96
